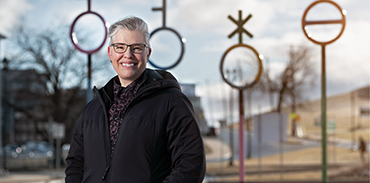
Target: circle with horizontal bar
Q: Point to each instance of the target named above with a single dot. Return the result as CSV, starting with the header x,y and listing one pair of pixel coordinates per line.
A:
x,y
306,23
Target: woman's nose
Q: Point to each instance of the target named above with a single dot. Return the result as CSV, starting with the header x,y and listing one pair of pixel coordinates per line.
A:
x,y
128,53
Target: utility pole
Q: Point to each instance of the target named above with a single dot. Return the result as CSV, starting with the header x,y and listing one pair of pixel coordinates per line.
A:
x,y
4,110
2,144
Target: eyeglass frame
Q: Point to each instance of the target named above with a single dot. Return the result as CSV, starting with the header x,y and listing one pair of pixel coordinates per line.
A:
x,y
129,45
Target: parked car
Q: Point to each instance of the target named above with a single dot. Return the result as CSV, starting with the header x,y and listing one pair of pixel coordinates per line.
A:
x,y
32,154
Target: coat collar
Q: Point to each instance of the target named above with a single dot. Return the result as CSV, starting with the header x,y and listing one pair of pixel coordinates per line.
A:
x,y
154,80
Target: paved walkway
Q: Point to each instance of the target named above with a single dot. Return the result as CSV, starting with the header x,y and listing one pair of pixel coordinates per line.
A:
x,y
42,176
218,152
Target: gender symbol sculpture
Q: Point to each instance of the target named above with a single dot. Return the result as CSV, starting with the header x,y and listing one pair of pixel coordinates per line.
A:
x,y
163,9
74,40
243,82
305,24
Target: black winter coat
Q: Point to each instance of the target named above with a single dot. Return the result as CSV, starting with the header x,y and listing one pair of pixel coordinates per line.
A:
x,y
158,140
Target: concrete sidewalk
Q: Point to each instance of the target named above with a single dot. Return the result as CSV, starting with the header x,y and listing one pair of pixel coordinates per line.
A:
x,y
40,176
218,152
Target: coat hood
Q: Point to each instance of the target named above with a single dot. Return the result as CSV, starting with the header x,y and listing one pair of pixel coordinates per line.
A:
x,y
154,80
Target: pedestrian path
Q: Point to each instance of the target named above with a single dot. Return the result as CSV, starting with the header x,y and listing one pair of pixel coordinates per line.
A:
x,y
42,176
24,178
219,151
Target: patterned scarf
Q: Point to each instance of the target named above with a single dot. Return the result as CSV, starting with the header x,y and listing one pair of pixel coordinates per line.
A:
x,y
122,98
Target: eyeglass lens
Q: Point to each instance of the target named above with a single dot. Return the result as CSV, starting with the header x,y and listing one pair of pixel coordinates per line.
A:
x,y
135,48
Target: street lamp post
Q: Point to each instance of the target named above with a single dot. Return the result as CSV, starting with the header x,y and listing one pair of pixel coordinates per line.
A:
x,y
2,145
4,110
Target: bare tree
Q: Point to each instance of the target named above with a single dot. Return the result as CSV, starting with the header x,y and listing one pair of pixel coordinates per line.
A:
x,y
51,53
290,85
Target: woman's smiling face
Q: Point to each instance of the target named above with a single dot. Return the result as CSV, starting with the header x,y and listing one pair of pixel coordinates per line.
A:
x,y
128,65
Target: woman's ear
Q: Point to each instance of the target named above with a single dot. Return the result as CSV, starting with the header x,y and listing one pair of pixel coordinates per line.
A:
x,y
109,53
149,53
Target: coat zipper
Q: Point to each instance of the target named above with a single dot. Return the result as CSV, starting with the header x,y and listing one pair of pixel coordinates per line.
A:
x,y
106,172
107,154
109,160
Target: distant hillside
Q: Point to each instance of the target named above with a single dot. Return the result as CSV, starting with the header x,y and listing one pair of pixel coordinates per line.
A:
x,y
343,109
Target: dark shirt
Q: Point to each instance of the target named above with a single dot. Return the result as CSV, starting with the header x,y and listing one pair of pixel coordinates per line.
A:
x,y
122,98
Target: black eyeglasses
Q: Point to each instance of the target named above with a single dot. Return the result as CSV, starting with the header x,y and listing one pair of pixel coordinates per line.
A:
x,y
135,48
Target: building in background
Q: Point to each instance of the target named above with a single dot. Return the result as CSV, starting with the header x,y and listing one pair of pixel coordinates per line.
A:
x,y
189,91
345,112
23,98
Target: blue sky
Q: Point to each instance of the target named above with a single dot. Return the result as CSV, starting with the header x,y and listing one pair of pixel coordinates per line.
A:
x,y
275,26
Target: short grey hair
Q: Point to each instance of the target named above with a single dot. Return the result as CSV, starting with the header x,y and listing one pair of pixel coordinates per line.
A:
x,y
130,23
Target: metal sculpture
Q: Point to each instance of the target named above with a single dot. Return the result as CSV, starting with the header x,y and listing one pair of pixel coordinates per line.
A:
x,y
305,24
243,85
164,27
74,40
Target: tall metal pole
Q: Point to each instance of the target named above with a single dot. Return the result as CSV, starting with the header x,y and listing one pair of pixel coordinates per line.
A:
x,y
231,129
323,113
2,130
249,132
5,109
281,144
353,120
223,124
305,23
209,101
259,140
241,136
88,90
73,37
241,30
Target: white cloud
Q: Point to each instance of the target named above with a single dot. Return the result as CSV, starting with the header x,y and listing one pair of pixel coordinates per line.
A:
x,y
211,16
275,25
11,12
349,57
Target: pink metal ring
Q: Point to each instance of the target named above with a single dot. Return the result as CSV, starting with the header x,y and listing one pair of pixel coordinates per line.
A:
x,y
76,44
